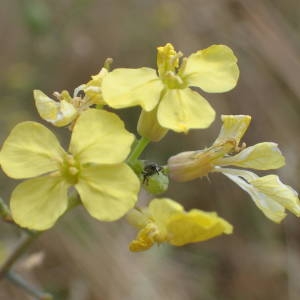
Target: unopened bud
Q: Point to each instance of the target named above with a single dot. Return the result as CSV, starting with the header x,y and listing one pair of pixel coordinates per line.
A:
x,y
190,165
157,183
149,127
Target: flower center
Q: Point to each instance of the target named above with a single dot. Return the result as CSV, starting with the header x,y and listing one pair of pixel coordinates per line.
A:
x,y
70,169
169,67
174,81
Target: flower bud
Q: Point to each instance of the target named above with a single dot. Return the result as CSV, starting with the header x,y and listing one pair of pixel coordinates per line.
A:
x,y
190,165
157,183
149,127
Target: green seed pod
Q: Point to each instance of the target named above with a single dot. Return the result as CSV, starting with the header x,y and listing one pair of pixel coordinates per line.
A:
x,y
157,183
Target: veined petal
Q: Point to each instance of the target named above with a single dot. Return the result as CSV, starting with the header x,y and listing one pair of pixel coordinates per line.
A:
x,y
233,128
38,203
262,156
57,113
30,150
270,207
184,109
273,188
100,137
195,226
213,69
108,192
130,87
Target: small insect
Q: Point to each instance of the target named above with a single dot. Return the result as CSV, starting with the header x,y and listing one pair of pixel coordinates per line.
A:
x,y
149,170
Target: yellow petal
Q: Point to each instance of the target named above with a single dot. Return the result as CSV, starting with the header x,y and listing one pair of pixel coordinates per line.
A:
x,y
184,109
233,128
161,209
97,79
152,222
130,87
108,192
213,69
269,206
38,203
93,90
262,156
57,113
195,226
145,238
100,137
30,150
275,190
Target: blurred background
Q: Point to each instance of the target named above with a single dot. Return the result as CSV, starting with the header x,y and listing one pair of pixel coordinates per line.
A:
x,y
53,45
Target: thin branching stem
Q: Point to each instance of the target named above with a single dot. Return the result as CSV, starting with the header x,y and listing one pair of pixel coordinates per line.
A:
x,y
17,252
22,283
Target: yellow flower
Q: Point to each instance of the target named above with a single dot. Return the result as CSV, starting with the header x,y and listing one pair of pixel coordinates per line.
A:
x,y
66,109
268,192
166,221
179,108
93,165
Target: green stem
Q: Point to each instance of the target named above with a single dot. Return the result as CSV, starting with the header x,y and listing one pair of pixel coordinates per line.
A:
x,y
19,250
137,151
4,212
20,282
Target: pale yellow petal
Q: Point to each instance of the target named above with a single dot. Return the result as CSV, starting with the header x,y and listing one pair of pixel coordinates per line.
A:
x,y
161,209
213,69
92,89
275,190
30,150
195,226
233,128
108,192
100,137
184,109
271,208
262,156
57,113
130,87
38,203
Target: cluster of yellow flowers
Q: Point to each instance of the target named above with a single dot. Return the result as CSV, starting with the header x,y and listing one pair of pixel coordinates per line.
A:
x,y
102,162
